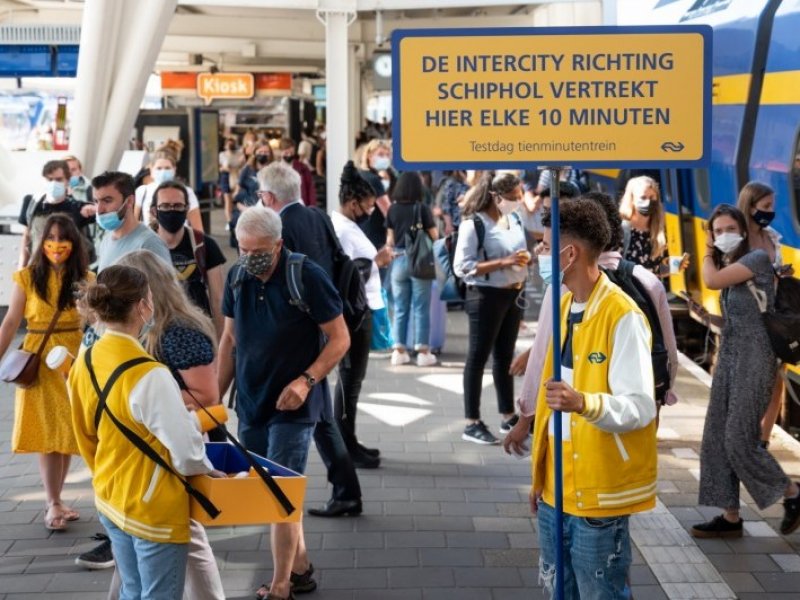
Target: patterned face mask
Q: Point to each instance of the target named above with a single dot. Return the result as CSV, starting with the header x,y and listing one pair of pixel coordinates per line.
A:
x,y
257,263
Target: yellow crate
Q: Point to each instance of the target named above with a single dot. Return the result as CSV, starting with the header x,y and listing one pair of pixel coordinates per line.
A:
x,y
246,500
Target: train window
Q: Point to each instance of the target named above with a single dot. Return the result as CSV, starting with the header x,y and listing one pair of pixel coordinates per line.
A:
x,y
794,184
704,7
702,186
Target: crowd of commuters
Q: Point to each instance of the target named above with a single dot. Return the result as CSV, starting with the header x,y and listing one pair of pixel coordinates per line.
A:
x,y
164,332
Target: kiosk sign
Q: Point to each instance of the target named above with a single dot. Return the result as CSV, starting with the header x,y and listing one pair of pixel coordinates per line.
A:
x,y
583,96
229,86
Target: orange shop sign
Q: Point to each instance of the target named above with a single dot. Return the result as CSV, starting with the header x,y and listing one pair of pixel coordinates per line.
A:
x,y
237,86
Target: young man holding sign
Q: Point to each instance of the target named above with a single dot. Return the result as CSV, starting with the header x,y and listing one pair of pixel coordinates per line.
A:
x,y
608,427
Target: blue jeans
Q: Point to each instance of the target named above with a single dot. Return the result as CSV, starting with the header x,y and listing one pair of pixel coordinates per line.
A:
x,y
410,294
148,570
597,556
284,443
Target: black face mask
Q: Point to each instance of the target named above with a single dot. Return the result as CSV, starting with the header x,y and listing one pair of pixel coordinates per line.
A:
x,y
288,158
763,217
171,220
262,159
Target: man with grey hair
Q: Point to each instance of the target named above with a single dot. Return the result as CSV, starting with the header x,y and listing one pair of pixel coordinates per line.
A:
x,y
305,230
280,360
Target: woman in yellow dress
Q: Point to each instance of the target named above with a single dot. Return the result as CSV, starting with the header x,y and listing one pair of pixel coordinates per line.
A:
x,y
42,416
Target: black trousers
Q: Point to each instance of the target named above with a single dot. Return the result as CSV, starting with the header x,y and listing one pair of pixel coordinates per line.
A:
x,y
352,371
341,471
494,319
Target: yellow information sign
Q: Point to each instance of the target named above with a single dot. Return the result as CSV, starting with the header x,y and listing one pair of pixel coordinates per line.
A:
x,y
602,97
228,86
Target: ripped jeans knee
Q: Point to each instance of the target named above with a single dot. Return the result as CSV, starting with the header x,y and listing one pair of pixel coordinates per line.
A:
x,y
597,556
547,577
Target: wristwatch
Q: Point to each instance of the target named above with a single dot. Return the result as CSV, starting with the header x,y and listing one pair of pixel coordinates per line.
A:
x,y
310,379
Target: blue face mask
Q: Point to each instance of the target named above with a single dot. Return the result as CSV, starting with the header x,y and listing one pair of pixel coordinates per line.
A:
x,y
381,163
546,269
163,175
111,221
56,190
146,325
74,181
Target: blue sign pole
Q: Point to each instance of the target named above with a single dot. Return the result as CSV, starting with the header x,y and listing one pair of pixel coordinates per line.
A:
x,y
555,290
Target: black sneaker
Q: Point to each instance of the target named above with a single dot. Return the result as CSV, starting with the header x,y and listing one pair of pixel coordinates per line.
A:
x,y
718,527
791,515
507,426
479,434
303,583
99,557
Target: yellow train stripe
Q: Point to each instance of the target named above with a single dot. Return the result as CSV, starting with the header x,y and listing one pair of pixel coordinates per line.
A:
x,y
781,88
608,173
730,89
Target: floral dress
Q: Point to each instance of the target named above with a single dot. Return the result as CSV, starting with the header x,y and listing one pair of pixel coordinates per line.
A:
x,y
42,415
639,250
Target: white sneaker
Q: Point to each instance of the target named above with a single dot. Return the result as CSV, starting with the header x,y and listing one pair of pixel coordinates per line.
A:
x,y
400,358
425,359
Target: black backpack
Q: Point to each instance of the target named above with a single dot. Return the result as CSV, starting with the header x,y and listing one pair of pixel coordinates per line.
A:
x,y
783,321
348,277
623,277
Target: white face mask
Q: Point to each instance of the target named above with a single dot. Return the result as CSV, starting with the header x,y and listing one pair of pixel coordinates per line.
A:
x,y
728,242
642,206
506,207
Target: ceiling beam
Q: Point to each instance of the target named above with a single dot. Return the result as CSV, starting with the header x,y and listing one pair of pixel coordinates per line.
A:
x,y
368,5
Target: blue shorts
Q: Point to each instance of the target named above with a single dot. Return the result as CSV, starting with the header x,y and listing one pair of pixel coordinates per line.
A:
x,y
225,182
284,443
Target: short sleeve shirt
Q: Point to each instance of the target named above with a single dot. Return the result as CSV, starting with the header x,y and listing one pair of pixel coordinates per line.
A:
x,y
739,307
401,218
141,238
183,348
276,341
183,259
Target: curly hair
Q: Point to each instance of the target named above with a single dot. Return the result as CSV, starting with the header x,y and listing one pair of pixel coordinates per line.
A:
x,y
583,219
609,206
352,186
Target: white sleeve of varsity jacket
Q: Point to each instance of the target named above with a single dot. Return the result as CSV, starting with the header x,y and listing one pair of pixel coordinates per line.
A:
x,y
156,403
631,404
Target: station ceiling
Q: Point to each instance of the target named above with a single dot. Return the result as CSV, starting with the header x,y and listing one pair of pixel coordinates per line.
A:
x,y
269,36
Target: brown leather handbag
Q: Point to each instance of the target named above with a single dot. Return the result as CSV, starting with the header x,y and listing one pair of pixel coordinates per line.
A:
x,y
22,367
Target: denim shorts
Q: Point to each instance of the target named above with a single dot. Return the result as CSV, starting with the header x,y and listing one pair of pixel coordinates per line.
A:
x,y
284,443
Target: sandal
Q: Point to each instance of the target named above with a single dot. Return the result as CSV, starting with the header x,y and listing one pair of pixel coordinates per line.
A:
x,y
56,522
70,514
263,593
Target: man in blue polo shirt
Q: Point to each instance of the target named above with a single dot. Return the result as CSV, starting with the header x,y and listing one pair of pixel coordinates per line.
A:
x,y
282,356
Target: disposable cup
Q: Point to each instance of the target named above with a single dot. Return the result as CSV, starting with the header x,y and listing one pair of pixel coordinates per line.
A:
x,y
60,360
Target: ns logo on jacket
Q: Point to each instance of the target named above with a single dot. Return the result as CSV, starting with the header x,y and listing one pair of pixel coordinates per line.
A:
x,y
597,358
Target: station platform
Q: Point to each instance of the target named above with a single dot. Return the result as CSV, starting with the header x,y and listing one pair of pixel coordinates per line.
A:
x,y
443,518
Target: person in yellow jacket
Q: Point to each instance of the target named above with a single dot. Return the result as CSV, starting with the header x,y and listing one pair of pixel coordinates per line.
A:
x,y
144,508
606,395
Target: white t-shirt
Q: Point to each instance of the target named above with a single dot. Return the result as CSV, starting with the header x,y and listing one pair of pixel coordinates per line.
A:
x,y
144,198
357,245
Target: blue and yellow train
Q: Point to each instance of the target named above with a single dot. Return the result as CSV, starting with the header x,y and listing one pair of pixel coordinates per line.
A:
x,y
755,131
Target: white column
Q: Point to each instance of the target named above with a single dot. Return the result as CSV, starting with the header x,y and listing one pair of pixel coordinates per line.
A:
x,y
147,22
99,31
355,111
610,12
337,71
